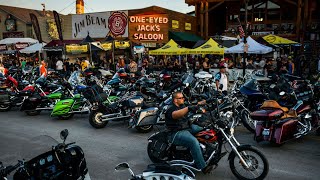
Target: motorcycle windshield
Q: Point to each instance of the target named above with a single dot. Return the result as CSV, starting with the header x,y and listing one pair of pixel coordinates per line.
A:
x,y
252,85
36,146
188,79
75,78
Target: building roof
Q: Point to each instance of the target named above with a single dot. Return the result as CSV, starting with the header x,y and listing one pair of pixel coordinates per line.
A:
x,y
23,14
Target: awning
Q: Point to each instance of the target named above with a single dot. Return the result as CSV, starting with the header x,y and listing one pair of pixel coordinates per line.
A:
x,y
273,39
171,48
33,48
183,36
210,47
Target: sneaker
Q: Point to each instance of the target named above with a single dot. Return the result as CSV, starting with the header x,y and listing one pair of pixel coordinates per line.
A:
x,y
207,169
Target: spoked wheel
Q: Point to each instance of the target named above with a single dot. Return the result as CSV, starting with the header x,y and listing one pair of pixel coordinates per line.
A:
x,y
5,107
96,121
258,166
247,121
144,129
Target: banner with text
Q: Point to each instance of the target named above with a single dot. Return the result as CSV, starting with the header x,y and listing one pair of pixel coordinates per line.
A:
x,y
100,25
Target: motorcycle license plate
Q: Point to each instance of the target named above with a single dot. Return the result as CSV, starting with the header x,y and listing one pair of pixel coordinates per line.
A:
x,y
266,132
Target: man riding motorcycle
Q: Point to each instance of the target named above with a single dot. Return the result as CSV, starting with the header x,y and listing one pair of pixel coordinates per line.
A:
x,y
177,122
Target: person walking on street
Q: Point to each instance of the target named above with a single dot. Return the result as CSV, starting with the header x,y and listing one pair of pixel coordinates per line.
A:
x,y
43,69
221,78
133,67
291,68
59,66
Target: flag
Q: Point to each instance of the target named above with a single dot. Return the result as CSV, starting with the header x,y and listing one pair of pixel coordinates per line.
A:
x,y
58,24
241,31
36,27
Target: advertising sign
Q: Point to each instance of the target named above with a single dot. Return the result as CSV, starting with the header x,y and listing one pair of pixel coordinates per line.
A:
x,y
121,44
106,46
149,28
175,24
188,26
100,25
19,46
76,49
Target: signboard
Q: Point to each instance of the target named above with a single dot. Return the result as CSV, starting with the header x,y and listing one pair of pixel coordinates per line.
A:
x,y
175,24
121,44
188,26
100,25
19,46
12,35
138,49
106,46
149,28
262,33
152,45
76,49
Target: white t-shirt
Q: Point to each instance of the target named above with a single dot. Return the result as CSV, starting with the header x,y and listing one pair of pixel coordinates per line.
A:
x,y
59,65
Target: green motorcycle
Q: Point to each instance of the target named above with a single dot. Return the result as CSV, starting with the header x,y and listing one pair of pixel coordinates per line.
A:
x,y
78,104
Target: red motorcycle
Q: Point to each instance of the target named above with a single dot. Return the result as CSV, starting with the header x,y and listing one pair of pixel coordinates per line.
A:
x,y
277,124
245,161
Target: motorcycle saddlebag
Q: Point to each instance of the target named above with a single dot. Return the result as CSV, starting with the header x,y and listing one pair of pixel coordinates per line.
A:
x,y
267,114
285,130
147,116
134,102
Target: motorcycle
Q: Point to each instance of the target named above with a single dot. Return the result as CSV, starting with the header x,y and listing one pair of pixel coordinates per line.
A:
x,y
122,109
277,125
13,99
216,132
63,161
159,171
39,101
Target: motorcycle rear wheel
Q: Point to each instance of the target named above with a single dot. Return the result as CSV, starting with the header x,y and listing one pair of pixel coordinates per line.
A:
x,y
251,156
4,108
95,120
33,112
144,129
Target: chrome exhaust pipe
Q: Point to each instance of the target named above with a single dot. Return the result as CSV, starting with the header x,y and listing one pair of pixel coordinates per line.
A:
x,y
114,118
44,108
110,115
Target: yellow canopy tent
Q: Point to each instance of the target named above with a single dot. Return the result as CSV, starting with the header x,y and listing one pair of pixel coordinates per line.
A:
x,y
210,47
171,48
273,39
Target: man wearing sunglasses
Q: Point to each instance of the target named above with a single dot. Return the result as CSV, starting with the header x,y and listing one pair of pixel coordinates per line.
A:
x,y
177,122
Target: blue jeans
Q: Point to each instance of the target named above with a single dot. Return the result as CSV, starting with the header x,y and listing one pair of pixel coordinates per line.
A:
x,y
186,139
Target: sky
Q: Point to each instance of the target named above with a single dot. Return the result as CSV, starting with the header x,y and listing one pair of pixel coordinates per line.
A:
x,y
68,6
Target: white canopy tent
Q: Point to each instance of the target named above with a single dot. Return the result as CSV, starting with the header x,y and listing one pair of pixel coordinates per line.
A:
x,y
33,48
253,47
9,41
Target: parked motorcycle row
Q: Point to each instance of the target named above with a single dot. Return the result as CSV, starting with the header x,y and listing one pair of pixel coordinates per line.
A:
x,y
276,112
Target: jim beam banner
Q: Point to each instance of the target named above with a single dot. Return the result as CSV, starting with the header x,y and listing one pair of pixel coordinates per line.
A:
x,y
36,27
149,28
58,24
76,49
100,25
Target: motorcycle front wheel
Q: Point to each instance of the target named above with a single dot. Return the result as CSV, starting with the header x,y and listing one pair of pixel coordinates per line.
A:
x,y
257,162
144,129
5,107
95,120
247,121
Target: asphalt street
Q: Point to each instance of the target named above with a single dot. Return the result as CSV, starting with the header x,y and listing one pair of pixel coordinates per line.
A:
x,y
105,148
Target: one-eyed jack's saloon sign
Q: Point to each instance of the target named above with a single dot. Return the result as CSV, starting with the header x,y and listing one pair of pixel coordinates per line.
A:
x,y
148,28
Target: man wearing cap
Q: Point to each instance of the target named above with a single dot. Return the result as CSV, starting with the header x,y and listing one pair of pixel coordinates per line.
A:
x,y
221,78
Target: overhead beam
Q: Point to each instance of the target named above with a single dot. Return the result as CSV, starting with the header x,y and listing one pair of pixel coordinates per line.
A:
x,y
213,7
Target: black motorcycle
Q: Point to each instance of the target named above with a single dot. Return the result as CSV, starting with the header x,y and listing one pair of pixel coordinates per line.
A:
x,y
62,162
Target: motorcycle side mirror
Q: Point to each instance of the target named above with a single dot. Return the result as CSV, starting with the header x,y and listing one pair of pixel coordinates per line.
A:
x,y
124,166
64,134
282,93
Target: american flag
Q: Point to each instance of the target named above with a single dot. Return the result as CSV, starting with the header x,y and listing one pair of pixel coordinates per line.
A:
x,y
241,31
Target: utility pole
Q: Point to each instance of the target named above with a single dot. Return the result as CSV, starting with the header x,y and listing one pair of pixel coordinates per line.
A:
x,y
245,38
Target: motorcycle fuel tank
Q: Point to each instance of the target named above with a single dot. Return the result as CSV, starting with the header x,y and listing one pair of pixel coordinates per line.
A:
x,y
56,95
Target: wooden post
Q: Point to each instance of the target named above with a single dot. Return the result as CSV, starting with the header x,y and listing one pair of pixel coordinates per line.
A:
x,y
201,19
207,22
298,19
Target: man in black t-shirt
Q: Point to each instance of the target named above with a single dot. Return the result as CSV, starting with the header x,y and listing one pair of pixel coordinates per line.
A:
x,y
177,122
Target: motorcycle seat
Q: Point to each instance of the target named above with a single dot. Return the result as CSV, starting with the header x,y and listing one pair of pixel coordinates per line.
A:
x,y
273,104
163,168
